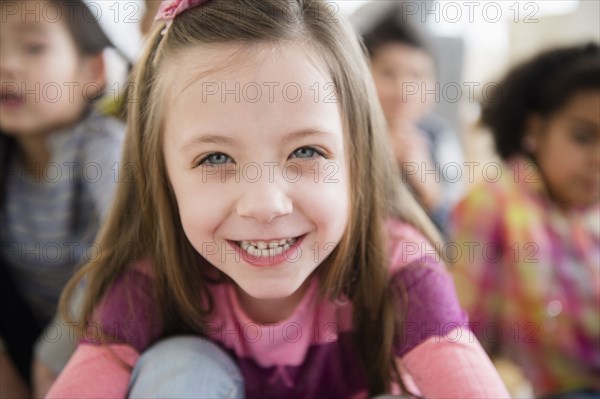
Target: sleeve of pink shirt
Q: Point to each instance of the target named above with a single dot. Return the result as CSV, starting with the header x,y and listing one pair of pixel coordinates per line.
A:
x,y
127,319
96,371
436,349
453,366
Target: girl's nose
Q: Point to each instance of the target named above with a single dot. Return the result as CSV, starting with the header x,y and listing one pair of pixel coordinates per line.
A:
x,y
264,201
9,64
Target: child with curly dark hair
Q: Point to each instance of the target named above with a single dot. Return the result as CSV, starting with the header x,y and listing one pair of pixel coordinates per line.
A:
x,y
528,274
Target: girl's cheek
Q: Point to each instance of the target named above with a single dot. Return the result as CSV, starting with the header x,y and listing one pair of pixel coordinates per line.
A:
x,y
320,171
220,177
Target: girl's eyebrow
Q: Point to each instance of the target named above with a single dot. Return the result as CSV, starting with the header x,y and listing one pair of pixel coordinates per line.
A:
x,y
582,122
579,119
207,139
220,139
306,133
31,28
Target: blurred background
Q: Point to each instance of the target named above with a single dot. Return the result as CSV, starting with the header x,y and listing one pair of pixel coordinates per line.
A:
x,y
476,43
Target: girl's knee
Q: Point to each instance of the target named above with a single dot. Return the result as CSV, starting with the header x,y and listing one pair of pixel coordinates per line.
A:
x,y
185,366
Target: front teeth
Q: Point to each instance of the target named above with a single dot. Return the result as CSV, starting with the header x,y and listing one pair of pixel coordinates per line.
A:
x,y
263,249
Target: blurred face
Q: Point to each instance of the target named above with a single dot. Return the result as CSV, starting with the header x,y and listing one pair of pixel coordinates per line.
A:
x,y
402,75
41,72
259,170
567,149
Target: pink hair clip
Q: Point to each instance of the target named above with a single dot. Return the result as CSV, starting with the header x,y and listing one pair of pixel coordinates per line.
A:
x,y
169,9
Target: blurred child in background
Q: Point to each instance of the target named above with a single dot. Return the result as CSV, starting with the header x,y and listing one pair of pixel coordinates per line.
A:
x,y
57,177
528,274
404,70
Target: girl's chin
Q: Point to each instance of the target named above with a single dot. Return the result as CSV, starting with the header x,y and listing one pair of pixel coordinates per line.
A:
x,y
268,293
271,290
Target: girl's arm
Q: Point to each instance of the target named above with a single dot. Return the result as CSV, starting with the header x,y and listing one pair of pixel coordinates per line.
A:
x,y
96,371
453,366
127,319
434,344
436,347
50,357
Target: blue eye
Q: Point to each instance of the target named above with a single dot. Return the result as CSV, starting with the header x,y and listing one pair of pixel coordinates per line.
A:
x,y
216,158
306,153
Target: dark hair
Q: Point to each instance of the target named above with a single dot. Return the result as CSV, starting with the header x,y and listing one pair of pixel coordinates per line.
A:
x,y
540,86
83,25
393,29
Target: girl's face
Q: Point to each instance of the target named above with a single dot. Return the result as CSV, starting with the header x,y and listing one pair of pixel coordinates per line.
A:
x,y
44,81
404,78
254,149
567,149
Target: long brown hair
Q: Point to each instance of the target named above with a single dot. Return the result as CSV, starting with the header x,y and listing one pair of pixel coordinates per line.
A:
x,y
145,210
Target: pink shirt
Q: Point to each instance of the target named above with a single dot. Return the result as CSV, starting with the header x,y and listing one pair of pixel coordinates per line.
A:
x,y
310,354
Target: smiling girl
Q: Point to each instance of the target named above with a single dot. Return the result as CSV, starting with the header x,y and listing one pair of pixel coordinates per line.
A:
x,y
261,249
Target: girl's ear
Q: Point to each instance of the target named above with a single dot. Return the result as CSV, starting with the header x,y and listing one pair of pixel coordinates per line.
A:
x,y
534,127
95,70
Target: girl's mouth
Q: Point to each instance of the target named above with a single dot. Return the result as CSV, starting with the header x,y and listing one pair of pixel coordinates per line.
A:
x,y
10,100
266,248
270,252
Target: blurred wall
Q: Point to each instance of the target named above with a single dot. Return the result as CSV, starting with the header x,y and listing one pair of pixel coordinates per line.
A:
x,y
555,30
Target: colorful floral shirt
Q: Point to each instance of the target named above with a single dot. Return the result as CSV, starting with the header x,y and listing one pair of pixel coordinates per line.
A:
x,y
528,274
